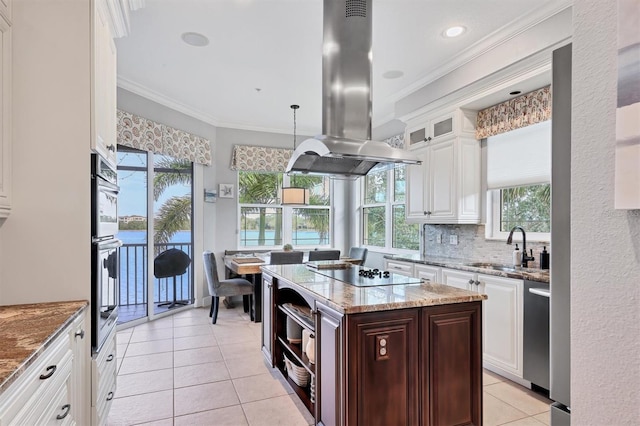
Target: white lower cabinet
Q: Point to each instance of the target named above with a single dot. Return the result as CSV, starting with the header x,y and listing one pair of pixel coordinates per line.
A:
x,y
103,382
502,317
460,279
398,267
427,273
45,393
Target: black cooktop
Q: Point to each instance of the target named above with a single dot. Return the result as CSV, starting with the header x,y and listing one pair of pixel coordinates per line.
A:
x,y
360,276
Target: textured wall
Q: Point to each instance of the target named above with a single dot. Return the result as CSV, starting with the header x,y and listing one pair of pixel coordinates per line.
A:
x,y
605,295
473,245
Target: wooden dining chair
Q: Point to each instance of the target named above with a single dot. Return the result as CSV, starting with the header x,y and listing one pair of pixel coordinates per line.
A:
x,y
285,257
224,288
324,255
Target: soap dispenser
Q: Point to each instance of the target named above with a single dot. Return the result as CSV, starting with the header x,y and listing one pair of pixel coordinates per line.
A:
x,y
544,258
517,256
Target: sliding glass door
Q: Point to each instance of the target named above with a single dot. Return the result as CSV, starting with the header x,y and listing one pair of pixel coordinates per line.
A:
x,y
161,185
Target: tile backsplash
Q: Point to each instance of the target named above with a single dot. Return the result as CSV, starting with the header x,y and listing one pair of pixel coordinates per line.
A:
x,y
473,245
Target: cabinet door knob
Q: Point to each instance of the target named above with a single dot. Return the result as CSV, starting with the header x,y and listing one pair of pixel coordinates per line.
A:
x,y
111,147
427,213
471,281
65,408
80,333
477,282
51,369
110,358
109,396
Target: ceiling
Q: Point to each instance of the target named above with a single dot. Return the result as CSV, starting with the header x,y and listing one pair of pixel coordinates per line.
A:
x,y
264,55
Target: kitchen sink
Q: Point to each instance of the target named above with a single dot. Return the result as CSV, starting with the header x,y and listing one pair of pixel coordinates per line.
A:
x,y
494,266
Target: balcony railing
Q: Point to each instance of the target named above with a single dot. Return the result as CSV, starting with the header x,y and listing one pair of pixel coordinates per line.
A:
x,y
134,272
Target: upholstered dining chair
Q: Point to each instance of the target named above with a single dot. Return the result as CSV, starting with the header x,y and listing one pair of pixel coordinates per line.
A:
x,y
324,255
224,288
359,253
285,257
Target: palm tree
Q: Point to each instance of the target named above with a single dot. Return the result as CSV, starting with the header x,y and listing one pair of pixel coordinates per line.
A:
x,y
175,214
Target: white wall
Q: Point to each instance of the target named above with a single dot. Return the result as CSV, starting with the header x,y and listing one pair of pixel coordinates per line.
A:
x,y
45,243
605,243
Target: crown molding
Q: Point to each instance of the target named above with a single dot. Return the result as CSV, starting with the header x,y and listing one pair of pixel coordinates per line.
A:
x,y
488,43
520,71
175,105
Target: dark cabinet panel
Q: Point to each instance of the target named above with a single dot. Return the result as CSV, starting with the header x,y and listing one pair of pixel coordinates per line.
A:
x,y
452,365
383,379
330,366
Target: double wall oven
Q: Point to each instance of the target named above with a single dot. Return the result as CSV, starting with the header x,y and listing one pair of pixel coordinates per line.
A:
x,y
104,250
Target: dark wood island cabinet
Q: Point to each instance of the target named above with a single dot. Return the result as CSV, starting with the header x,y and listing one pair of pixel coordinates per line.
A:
x,y
401,354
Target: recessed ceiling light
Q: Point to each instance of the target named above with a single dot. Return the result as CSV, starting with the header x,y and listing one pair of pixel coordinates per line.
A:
x,y
393,74
454,31
515,92
195,39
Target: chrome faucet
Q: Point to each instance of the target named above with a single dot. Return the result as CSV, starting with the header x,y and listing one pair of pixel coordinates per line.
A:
x,y
525,257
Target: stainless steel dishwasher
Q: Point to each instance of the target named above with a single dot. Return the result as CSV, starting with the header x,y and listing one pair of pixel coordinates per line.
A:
x,y
536,333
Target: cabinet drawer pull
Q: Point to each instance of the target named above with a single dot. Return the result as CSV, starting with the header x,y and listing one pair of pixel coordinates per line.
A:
x,y
51,369
80,333
110,358
109,396
66,408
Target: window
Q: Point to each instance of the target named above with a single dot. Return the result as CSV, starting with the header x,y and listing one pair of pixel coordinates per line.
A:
x,y
383,203
264,222
527,206
518,175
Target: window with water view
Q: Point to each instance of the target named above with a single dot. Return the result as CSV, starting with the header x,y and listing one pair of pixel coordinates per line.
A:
x,y
264,222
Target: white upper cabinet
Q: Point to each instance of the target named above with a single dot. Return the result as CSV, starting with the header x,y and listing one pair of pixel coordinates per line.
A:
x,y
445,188
5,109
103,91
434,128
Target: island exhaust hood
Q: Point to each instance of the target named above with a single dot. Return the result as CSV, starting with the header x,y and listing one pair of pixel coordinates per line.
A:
x,y
345,147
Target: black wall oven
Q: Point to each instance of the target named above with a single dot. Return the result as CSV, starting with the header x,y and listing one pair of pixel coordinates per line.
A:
x,y
105,284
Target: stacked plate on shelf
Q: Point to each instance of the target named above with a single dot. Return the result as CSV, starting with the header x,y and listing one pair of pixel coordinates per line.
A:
x,y
299,375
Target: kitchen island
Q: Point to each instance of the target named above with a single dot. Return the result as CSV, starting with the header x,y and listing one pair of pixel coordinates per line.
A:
x,y
387,350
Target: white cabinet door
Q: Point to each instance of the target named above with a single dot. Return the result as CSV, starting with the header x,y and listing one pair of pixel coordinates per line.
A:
x,y
441,182
104,89
502,318
397,267
460,279
468,185
415,209
427,273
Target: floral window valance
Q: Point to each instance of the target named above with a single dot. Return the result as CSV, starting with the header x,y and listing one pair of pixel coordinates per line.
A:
x,y
147,135
249,158
530,108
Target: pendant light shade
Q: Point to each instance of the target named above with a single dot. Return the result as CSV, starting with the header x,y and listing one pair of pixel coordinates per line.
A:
x,y
294,195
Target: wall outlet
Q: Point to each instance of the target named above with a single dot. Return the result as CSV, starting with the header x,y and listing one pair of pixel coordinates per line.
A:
x,y
439,239
453,239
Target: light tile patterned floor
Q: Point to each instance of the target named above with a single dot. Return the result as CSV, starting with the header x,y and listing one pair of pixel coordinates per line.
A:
x,y
182,370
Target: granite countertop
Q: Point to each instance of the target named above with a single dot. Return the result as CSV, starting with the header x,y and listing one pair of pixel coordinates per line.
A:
x,y
540,275
27,330
349,299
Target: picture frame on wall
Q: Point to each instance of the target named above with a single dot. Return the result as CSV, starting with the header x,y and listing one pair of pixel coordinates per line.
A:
x,y
226,190
210,195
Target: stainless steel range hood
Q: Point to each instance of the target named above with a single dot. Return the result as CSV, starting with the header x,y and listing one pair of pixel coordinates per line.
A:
x,y
345,147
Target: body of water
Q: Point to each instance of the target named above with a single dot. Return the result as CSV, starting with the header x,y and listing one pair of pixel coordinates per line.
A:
x,y
299,238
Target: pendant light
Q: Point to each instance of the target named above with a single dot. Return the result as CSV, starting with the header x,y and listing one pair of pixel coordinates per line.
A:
x,y
294,195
